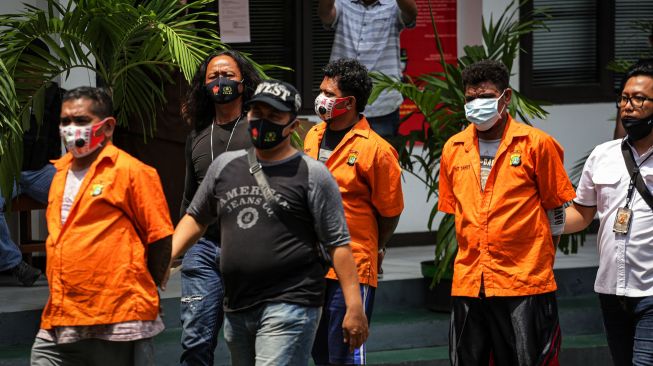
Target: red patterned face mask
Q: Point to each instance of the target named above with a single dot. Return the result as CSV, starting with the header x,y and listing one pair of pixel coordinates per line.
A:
x,y
82,140
325,107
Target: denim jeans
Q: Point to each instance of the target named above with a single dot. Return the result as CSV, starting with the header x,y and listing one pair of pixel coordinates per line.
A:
x,y
271,334
386,126
628,325
201,303
36,184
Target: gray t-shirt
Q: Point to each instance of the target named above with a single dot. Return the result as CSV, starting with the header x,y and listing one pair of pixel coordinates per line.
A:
x,y
487,150
263,260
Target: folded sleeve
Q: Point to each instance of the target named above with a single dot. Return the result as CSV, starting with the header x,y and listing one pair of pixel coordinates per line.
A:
x,y
385,183
553,184
150,212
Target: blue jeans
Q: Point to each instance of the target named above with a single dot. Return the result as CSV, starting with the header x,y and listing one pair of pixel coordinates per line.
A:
x,y
36,184
386,126
201,303
271,334
628,325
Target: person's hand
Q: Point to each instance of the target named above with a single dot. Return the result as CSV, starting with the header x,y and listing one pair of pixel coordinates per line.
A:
x,y
166,277
379,262
354,328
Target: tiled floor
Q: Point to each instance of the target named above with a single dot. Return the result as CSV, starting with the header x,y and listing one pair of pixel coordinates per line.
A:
x,y
400,263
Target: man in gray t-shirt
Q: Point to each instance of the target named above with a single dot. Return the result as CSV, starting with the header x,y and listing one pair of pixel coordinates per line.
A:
x,y
273,276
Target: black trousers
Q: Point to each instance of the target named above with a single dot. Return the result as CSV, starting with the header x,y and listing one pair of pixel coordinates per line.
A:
x,y
519,331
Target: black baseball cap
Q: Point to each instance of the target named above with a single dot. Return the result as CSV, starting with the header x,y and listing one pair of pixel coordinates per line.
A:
x,y
278,94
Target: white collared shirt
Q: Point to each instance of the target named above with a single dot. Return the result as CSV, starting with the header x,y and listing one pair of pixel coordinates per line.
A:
x,y
625,260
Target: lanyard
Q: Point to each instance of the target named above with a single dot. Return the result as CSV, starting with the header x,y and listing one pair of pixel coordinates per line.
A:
x,y
230,135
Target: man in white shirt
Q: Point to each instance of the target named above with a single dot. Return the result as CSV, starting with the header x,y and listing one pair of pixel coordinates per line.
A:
x,y
624,280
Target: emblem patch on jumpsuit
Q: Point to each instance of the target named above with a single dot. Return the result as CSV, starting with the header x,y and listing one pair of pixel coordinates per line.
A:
x,y
351,160
97,190
515,159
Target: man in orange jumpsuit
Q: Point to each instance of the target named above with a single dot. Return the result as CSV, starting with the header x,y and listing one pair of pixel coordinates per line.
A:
x,y
505,183
367,171
108,247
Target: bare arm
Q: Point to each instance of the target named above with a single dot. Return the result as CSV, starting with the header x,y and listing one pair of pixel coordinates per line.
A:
x,y
326,10
408,10
187,232
354,325
578,217
387,226
158,259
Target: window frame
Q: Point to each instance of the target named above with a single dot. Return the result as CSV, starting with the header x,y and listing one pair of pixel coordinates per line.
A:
x,y
598,92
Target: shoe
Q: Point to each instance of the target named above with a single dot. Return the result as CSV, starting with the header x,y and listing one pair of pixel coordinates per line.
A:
x,y
26,274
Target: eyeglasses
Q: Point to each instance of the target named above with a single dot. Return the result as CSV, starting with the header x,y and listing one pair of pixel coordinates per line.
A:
x,y
636,101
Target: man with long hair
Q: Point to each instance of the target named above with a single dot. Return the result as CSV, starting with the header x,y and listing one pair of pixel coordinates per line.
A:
x,y
214,107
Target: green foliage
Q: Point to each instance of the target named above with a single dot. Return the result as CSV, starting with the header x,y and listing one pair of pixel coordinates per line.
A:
x,y
439,96
10,130
132,46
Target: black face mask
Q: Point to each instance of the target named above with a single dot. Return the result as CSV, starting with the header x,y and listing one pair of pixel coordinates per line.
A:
x,y
637,129
223,90
266,134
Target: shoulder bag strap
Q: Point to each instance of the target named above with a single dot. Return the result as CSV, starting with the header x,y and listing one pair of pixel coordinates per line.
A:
x,y
633,171
256,170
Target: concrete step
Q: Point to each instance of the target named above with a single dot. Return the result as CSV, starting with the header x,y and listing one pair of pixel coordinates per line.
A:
x,y
576,350
395,333
405,300
588,349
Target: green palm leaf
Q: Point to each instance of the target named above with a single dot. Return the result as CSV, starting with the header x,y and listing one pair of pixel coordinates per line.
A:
x,y
132,46
10,133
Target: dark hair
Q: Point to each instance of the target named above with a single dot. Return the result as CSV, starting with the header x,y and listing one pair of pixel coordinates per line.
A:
x,y
199,110
486,70
642,67
102,104
352,79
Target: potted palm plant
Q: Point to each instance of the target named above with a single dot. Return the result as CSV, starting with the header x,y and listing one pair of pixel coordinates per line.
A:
x,y
132,46
439,98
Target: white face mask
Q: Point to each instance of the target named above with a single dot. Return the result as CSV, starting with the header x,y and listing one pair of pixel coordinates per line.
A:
x,y
483,112
81,140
